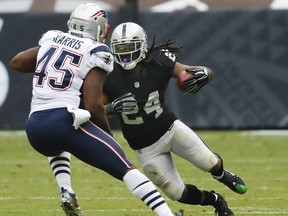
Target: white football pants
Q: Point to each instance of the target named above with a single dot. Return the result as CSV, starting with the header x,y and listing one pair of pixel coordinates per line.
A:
x,y
157,163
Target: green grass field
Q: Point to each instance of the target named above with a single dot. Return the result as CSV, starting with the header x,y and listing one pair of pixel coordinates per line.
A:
x,y
28,187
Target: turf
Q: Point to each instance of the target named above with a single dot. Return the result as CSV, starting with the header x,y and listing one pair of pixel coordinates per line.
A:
x,y
28,187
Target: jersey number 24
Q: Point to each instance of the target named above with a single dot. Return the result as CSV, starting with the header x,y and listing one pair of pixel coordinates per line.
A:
x,y
152,104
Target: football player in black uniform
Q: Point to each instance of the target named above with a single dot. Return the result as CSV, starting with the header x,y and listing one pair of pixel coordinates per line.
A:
x,y
136,89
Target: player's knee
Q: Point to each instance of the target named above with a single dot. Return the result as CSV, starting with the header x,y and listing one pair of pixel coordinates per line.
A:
x,y
154,174
172,191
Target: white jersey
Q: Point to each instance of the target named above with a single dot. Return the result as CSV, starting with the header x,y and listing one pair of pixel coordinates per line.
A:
x,y
63,62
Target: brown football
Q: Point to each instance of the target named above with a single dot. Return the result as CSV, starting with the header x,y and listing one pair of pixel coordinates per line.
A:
x,y
182,77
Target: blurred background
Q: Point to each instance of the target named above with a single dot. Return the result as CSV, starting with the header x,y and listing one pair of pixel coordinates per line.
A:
x,y
244,42
65,6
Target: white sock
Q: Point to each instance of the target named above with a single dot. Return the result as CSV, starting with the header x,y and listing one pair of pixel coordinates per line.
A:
x,y
144,189
60,166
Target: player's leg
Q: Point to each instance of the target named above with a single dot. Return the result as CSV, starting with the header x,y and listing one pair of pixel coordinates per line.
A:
x,y
97,148
190,147
193,196
47,142
157,163
60,166
141,187
234,182
93,146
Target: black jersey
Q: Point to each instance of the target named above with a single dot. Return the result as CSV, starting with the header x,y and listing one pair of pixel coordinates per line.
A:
x,y
153,118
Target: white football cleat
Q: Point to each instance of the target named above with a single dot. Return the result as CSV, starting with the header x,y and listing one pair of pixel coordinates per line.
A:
x,y
69,204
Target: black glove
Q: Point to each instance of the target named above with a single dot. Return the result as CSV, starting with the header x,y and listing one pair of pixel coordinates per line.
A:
x,y
126,104
195,83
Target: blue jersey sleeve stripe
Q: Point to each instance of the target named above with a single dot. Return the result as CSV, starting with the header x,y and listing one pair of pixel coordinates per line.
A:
x,y
100,49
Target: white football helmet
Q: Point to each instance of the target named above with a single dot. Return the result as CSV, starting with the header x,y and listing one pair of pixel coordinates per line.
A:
x,y
128,44
89,21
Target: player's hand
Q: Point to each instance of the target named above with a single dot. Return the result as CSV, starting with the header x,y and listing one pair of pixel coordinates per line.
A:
x,y
195,83
126,104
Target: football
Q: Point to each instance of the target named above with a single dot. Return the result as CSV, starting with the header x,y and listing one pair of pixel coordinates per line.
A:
x,y
182,77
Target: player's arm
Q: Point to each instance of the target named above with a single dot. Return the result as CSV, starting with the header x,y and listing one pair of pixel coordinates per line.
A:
x,y
192,78
92,97
178,68
25,61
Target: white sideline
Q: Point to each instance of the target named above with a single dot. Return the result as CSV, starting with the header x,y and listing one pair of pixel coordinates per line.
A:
x,y
266,133
14,133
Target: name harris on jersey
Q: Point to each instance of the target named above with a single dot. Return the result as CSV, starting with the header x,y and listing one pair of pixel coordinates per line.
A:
x,y
68,41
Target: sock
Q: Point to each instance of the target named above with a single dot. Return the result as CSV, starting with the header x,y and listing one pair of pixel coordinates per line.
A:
x,y
194,196
144,189
219,173
219,177
60,166
209,198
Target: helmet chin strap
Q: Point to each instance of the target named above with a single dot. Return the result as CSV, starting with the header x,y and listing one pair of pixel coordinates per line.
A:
x,y
129,66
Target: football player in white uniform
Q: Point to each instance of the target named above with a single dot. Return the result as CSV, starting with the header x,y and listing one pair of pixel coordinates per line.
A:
x,y
67,112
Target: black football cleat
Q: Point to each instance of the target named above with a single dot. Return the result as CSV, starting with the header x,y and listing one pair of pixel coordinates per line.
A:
x,y
234,182
221,206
